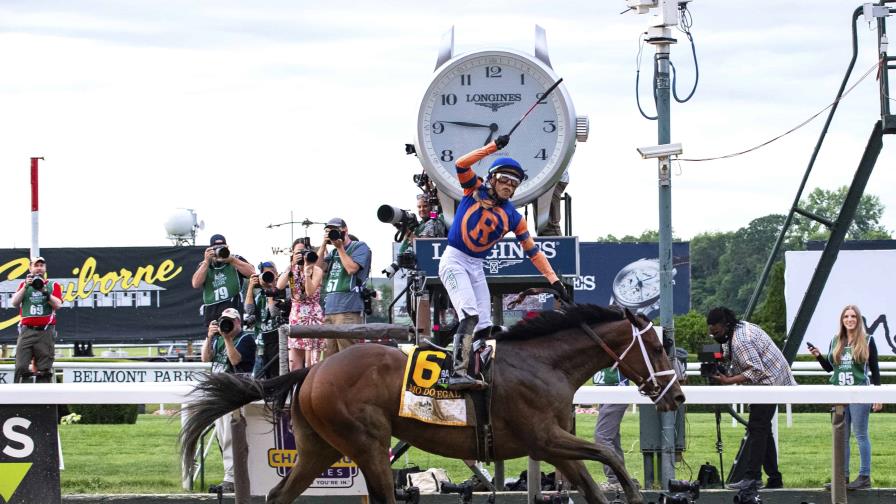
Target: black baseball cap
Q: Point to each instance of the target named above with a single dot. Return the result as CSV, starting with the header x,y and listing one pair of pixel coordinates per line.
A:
x,y
217,238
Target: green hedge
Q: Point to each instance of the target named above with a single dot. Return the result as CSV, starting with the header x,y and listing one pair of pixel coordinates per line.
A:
x,y
105,413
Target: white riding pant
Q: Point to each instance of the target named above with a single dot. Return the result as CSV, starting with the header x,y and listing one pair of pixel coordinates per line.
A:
x,y
464,279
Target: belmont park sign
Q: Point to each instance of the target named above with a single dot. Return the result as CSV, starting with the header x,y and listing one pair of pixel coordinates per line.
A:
x,y
122,372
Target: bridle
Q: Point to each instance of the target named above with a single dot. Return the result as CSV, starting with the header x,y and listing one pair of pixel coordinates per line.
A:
x,y
649,387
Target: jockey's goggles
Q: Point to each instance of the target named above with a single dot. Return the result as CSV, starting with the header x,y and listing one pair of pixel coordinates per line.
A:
x,y
508,179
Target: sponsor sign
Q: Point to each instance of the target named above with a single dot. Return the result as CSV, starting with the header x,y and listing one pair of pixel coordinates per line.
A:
x,y
859,277
507,257
272,454
130,375
29,455
111,293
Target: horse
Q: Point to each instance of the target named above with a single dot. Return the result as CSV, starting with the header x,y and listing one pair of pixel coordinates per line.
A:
x,y
348,403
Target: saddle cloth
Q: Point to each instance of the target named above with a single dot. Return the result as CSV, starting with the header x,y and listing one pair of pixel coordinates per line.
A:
x,y
424,394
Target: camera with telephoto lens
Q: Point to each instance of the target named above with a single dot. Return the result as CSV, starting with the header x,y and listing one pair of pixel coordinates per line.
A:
x,y
398,217
306,255
712,361
681,492
267,277
221,251
335,234
225,324
37,283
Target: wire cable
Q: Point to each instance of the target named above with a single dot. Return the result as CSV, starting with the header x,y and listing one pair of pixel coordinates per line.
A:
x,y
685,21
791,130
638,80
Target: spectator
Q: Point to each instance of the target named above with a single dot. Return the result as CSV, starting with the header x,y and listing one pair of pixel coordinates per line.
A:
x,y
552,228
609,418
38,300
304,280
223,287
755,360
230,350
430,226
346,269
262,308
852,358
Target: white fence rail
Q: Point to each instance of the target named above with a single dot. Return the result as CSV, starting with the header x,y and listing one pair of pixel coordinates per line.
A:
x,y
146,393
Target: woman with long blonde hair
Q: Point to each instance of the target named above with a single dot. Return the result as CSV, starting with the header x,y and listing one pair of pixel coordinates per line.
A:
x,y
852,358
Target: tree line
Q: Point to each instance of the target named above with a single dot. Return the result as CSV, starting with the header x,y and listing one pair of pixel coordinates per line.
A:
x,y
725,265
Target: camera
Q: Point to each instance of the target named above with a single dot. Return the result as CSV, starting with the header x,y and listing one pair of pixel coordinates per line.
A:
x,y
225,324
681,492
37,283
249,320
221,251
396,216
303,255
367,296
712,361
406,260
268,276
335,234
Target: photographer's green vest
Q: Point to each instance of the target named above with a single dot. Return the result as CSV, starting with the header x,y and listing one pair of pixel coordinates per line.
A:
x,y
220,361
36,303
339,281
264,321
222,283
848,372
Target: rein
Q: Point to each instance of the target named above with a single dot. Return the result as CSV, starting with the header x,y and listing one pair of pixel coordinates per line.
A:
x,y
654,394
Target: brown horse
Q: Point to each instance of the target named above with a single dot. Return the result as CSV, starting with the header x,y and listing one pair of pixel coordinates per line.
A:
x,y
348,404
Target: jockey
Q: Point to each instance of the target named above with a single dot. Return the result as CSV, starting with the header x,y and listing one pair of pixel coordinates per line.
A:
x,y
484,216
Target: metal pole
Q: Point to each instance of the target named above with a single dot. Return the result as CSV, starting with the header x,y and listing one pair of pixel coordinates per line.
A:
x,y
35,220
663,110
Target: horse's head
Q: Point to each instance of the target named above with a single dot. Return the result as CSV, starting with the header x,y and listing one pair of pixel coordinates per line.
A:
x,y
643,360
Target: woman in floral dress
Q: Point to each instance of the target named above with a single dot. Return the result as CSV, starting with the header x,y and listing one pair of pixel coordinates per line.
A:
x,y
304,279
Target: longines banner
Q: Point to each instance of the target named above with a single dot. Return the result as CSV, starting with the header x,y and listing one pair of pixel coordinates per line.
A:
x,y
121,294
864,278
626,274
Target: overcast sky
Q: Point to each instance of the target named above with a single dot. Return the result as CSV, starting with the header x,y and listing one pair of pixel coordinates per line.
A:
x,y
246,111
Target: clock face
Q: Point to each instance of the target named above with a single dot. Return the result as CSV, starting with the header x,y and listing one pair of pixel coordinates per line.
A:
x,y
638,284
475,98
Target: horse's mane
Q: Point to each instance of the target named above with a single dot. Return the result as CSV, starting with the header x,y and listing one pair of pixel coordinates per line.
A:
x,y
552,321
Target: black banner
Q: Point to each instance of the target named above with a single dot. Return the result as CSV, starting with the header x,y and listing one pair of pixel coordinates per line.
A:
x,y
133,294
29,454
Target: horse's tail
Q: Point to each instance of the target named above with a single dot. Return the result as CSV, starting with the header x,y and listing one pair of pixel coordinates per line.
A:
x,y
221,393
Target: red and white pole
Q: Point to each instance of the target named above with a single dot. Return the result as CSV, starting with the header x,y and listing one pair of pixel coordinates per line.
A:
x,y
35,247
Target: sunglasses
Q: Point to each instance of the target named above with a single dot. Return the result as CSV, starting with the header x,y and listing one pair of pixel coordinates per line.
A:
x,y
508,179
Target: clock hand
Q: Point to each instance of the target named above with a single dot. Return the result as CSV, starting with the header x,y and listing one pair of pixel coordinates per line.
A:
x,y
492,129
462,123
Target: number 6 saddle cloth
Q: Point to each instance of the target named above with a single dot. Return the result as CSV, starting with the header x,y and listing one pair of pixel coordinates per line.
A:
x,y
425,395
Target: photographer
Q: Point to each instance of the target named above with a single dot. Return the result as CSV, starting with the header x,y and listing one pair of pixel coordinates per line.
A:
x,y
303,279
429,226
39,299
266,306
755,360
230,350
346,269
220,275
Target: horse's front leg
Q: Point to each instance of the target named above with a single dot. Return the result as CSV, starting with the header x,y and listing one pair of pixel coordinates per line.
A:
x,y
577,474
559,444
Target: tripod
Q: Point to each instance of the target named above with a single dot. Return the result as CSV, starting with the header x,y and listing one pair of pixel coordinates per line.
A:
x,y
719,447
415,294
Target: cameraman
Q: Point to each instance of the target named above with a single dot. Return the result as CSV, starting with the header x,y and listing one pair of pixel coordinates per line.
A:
x,y
428,227
220,275
230,350
304,281
755,360
346,269
266,306
39,299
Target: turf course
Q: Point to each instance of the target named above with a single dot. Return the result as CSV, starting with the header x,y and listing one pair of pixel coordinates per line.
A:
x,y
142,458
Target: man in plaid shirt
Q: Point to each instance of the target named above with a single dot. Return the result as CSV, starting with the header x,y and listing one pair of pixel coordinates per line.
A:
x,y
755,360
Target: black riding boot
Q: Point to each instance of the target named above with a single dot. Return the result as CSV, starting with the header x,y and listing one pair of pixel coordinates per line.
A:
x,y
463,346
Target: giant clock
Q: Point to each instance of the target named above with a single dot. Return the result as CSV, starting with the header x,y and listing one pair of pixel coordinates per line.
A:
x,y
473,98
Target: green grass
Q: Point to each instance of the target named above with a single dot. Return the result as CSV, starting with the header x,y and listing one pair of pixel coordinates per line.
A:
x,y
142,458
